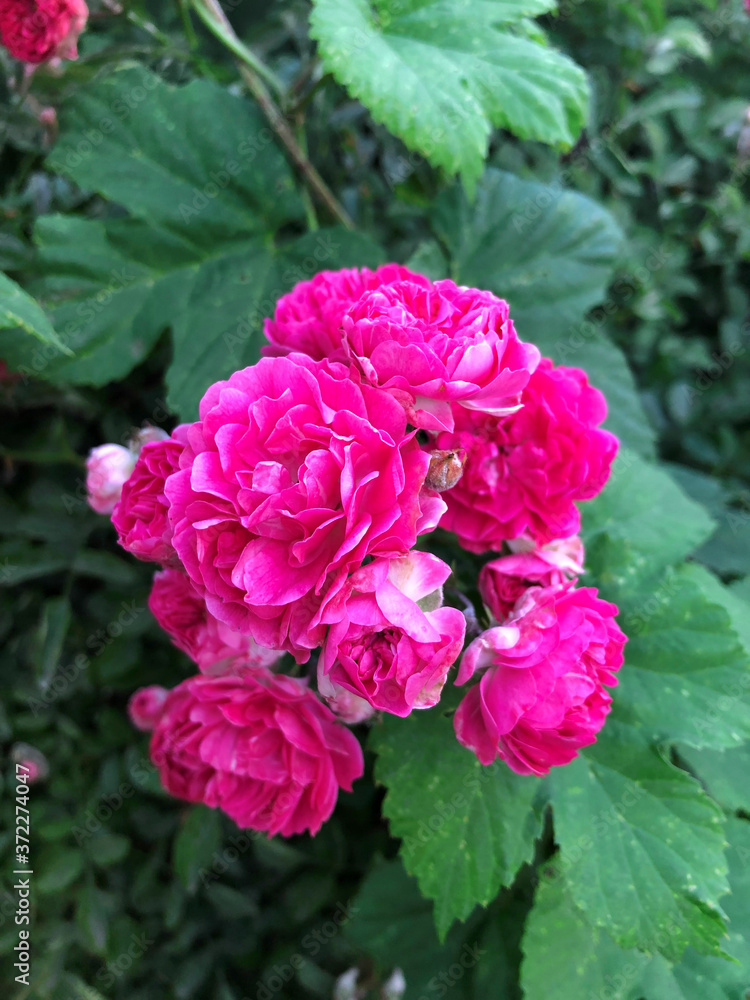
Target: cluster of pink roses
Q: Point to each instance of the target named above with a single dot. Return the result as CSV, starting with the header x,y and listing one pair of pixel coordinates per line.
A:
x,y
285,520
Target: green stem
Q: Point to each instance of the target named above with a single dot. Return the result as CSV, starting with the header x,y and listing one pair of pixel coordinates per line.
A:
x,y
250,69
210,12
149,28
312,219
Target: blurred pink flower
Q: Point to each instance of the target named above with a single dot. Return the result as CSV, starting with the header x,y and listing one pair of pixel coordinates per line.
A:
x,y
260,746
107,470
37,30
146,705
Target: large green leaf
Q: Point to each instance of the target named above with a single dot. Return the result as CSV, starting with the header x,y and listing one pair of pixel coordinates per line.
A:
x,y
550,254
548,251
725,773
195,161
197,254
703,977
393,924
465,829
195,846
641,846
440,73
687,675
119,284
24,327
582,961
644,515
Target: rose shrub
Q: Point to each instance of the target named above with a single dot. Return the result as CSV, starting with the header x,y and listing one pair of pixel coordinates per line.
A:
x,y
339,704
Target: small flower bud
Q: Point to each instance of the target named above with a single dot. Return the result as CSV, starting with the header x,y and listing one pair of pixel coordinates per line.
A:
x,y
107,469
145,706
446,468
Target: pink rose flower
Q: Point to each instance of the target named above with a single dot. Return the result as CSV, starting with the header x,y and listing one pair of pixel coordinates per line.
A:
x,y
308,319
350,708
215,647
430,345
260,746
385,648
503,581
543,695
33,765
294,474
141,515
37,30
146,705
524,473
107,470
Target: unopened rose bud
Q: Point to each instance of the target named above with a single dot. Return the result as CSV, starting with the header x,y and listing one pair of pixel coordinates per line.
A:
x,y
145,706
107,470
446,468
147,434
346,986
395,986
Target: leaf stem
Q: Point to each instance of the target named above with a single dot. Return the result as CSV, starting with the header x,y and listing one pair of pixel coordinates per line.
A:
x,y
254,72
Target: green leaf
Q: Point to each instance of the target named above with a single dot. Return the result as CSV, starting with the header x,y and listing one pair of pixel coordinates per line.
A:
x,y
92,917
641,846
195,845
687,675
441,73
702,977
26,323
132,138
582,961
53,627
643,508
108,848
724,773
20,561
608,370
196,254
727,551
548,251
56,869
393,924
465,829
